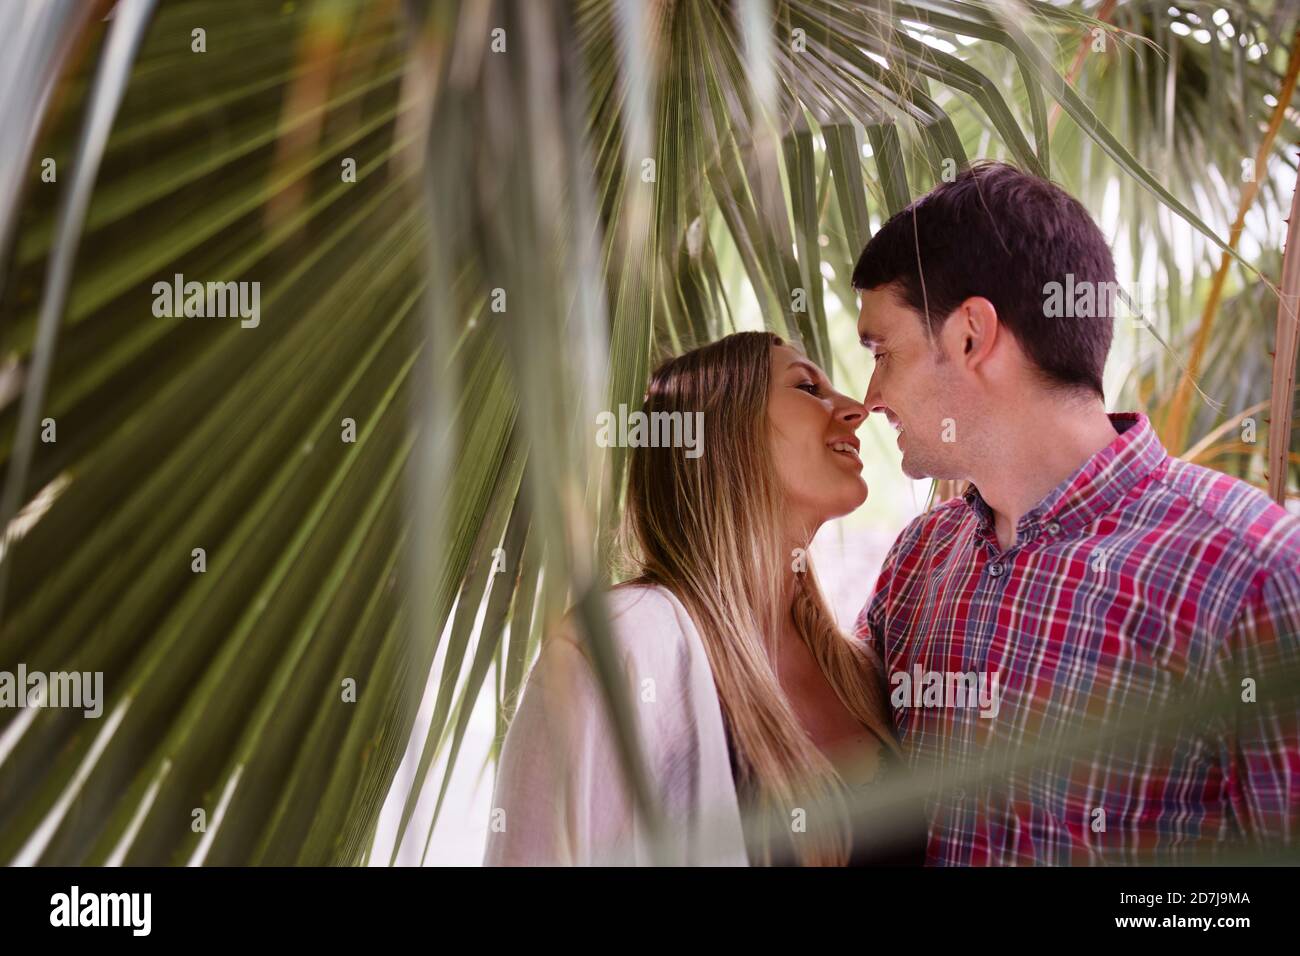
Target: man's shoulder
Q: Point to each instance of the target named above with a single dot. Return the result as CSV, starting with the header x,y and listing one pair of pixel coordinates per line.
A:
x,y
916,546
1211,502
938,525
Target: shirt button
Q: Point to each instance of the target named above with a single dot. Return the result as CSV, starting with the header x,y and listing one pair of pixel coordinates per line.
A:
x,y
1054,527
995,569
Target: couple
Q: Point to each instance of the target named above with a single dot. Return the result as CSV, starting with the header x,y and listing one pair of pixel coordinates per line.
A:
x,y
1085,576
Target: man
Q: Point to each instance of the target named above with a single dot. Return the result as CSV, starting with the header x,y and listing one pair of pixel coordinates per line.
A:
x,y
1086,583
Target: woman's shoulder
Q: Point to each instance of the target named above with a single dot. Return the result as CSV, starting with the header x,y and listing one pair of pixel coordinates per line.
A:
x,y
636,602
648,619
656,646
644,618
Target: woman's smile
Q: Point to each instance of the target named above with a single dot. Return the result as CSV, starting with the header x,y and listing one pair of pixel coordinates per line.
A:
x,y
847,448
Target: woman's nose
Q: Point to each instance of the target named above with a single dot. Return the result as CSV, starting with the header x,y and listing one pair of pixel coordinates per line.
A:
x,y
850,412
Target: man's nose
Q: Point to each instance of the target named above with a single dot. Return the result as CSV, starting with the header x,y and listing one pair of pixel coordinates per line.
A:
x,y
874,401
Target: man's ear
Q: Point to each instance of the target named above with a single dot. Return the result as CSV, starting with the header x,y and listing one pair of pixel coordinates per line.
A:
x,y
976,323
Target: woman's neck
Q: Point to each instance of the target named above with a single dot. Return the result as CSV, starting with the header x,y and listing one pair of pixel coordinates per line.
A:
x,y
798,544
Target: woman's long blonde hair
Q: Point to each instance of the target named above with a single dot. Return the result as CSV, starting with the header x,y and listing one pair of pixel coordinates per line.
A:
x,y
709,530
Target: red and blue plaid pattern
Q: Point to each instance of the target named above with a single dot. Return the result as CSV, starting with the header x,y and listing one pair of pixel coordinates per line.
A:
x,y
1140,580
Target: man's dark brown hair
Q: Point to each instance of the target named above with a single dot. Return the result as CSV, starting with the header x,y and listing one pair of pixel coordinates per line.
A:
x,y
1005,235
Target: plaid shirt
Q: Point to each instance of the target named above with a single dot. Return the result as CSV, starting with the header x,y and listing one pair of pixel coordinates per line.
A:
x,y
1139,579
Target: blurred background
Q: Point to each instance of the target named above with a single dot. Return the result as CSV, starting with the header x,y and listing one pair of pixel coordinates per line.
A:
x,y
314,557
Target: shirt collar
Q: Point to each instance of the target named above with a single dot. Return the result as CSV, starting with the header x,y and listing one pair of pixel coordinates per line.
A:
x,y
1094,488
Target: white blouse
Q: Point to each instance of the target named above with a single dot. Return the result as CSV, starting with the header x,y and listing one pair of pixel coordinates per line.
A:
x,y
560,796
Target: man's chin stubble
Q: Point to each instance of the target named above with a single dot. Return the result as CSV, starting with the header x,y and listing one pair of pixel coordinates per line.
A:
x,y
919,471
912,470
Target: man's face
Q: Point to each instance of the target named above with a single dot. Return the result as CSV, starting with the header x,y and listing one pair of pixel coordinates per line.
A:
x,y
915,385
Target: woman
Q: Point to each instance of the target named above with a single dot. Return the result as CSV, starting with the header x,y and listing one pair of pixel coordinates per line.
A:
x,y
744,695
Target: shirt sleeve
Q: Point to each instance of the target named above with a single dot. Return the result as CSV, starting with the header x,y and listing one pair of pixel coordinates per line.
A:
x,y
561,798
1264,754
870,625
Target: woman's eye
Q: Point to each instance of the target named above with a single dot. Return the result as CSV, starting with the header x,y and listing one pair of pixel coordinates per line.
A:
x,y
810,387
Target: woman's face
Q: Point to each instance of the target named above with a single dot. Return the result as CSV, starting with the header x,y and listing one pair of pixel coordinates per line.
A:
x,y
812,439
